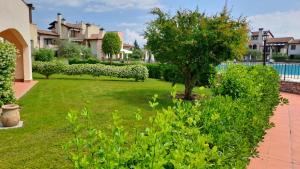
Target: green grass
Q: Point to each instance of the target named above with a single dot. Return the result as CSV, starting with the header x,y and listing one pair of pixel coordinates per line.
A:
x,y
44,109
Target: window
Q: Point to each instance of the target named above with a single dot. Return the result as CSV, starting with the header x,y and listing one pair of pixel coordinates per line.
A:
x,y
254,37
293,47
254,46
49,41
73,34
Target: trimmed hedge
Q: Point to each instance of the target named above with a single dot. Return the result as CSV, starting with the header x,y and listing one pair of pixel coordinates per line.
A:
x,y
138,72
220,132
8,55
155,71
73,61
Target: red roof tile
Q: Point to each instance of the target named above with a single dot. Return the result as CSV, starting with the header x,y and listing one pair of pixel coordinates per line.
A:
x,y
280,40
44,32
295,41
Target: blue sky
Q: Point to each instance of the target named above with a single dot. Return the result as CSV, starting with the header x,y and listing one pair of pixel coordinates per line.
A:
x,y
282,17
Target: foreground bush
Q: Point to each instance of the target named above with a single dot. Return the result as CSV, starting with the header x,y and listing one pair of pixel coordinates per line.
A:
x,y
220,132
8,55
44,55
47,69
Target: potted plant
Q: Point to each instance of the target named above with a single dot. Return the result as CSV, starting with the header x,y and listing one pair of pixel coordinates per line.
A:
x,y
10,112
10,115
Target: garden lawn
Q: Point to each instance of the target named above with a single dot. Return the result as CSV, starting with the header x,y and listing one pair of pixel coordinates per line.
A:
x,y
44,110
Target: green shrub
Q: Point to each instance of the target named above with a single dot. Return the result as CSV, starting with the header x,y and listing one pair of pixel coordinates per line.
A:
x,y
137,72
86,53
155,71
171,73
91,60
7,68
68,49
44,55
48,68
137,54
279,57
219,132
173,141
240,81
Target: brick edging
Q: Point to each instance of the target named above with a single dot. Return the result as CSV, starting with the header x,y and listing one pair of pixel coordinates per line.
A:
x,y
290,87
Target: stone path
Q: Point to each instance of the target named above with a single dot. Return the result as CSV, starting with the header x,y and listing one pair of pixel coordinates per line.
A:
x,y
281,146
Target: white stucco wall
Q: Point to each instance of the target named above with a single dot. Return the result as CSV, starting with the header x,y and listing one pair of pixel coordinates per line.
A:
x,y
15,15
296,51
42,41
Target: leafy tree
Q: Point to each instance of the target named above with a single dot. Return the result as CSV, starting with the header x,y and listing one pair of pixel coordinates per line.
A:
x,y
111,44
68,49
137,54
193,41
255,54
136,45
43,54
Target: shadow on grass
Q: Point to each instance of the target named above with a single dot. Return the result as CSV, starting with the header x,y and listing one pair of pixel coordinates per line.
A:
x,y
141,97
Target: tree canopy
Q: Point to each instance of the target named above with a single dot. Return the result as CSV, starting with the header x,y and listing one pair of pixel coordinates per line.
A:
x,y
193,41
111,44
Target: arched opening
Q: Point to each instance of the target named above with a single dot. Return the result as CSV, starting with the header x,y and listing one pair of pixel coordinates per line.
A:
x,y
14,37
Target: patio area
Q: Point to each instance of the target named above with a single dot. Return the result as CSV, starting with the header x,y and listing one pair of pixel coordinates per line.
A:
x,y
281,146
21,88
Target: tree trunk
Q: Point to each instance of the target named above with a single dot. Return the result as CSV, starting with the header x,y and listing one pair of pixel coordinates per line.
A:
x,y
189,85
110,58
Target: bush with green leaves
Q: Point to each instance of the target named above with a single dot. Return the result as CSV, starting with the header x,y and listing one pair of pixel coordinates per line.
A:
x,y
68,49
218,132
255,54
172,141
138,72
172,74
137,54
279,56
48,68
44,54
155,71
91,60
8,54
240,81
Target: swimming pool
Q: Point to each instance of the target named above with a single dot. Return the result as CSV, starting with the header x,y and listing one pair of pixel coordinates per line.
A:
x,y
284,69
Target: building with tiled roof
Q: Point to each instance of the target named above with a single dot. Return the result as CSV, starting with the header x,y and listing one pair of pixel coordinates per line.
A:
x,y
284,45
86,34
294,48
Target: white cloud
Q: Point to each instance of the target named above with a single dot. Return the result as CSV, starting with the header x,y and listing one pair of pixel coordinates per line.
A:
x,y
99,5
129,24
110,5
280,23
132,35
70,3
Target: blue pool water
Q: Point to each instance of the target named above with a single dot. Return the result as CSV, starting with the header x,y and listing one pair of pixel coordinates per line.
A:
x,y
282,69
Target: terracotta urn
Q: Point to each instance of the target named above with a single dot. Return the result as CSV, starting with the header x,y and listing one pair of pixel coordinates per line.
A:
x,y
10,115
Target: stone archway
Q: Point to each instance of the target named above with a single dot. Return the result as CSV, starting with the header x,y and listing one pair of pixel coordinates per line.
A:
x,y
14,37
